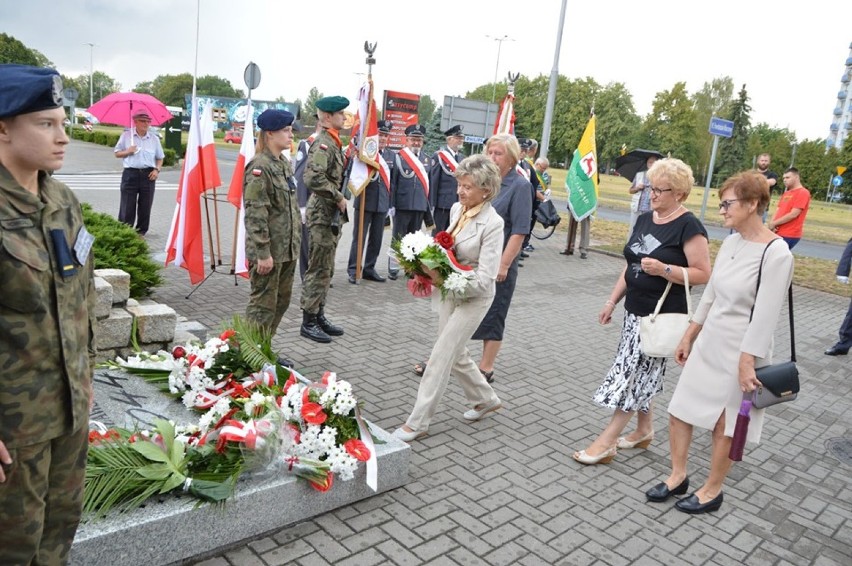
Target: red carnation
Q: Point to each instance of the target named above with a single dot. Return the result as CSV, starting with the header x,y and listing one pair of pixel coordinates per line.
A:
x,y
179,352
357,449
444,239
227,334
313,413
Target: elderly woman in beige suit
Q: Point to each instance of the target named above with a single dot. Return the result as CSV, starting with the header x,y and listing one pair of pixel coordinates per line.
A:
x,y
478,233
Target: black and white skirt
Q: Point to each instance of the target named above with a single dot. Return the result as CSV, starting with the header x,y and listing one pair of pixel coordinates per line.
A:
x,y
634,378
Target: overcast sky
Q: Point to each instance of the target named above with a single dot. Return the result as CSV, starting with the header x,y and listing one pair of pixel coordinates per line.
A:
x,y
791,62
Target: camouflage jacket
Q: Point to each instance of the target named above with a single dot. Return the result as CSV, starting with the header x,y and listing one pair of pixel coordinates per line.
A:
x,y
47,321
273,221
324,178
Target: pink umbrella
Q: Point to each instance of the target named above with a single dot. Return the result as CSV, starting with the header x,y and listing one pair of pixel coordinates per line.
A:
x,y
118,107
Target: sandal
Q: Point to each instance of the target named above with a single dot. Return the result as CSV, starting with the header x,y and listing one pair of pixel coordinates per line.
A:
x,y
488,375
420,368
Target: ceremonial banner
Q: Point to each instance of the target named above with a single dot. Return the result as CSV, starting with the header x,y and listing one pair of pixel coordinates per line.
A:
x,y
582,179
401,109
367,150
505,122
235,196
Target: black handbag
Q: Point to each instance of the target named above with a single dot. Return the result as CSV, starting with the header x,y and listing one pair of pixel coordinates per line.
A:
x,y
546,214
779,383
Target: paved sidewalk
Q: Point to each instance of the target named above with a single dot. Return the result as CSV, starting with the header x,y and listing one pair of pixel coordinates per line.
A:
x,y
505,490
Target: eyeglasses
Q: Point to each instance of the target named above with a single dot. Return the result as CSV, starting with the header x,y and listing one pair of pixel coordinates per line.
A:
x,y
726,204
657,192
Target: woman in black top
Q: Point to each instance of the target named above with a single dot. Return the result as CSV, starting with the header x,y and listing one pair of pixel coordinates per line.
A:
x,y
663,240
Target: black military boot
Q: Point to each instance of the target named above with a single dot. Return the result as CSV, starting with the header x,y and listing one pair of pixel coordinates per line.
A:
x,y
311,329
326,324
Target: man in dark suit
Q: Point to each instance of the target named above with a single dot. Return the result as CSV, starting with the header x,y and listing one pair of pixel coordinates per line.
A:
x,y
442,180
376,204
409,189
844,342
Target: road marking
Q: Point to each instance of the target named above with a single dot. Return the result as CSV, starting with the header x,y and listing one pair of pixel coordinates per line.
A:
x,y
102,182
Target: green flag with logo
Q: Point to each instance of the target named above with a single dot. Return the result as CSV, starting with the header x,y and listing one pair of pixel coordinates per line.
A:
x,y
582,179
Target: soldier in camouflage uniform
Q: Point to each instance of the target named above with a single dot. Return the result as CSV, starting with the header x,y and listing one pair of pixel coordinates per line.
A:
x,y
273,223
46,326
326,211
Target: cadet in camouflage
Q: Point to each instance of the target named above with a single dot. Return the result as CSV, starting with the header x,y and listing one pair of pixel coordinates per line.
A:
x,y
326,206
273,223
46,326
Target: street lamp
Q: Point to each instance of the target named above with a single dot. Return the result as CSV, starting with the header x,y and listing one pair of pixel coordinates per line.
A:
x,y
91,72
499,41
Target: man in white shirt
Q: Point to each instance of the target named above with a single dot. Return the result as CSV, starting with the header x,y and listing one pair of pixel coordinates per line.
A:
x,y
143,156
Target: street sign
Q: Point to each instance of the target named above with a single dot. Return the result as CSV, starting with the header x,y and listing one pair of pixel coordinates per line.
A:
x,y
841,169
474,139
837,180
252,76
69,96
721,127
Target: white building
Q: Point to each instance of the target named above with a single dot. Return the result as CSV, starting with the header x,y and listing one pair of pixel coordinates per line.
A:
x,y
841,123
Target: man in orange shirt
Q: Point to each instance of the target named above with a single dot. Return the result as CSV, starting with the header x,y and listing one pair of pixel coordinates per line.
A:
x,y
789,218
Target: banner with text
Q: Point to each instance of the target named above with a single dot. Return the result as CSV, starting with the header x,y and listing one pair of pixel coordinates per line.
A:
x,y
401,109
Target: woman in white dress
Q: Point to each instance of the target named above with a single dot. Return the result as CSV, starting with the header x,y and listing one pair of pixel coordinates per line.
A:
x,y
725,342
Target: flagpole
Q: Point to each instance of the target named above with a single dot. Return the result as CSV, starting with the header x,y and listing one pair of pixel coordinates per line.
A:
x,y
365,120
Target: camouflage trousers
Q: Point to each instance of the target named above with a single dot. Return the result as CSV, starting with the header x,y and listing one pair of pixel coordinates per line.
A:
x,y
42,499
323,245
270,295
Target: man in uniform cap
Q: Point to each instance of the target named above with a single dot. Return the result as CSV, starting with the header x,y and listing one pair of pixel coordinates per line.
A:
x,y
302,193
273,222
377,195
409,190
47,347
442,181
326,210
143,156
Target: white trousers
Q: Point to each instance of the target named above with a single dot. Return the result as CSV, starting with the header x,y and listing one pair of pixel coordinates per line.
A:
x,y
457,321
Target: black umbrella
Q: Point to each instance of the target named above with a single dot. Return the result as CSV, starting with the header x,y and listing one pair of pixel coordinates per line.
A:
x,y
630,163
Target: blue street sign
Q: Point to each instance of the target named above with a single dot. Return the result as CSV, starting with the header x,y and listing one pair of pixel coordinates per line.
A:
x,y
721,127
477,140
837,180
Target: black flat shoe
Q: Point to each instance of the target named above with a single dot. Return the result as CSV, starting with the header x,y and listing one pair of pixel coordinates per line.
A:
x,y
835,351
661,491
692,506
373,276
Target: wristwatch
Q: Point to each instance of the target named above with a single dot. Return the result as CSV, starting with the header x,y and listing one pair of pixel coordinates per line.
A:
x,y
668,270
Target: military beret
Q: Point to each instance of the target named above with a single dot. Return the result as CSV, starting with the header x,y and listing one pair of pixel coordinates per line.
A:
x,y
524,143
455,131
25,89
415,131
272,120
332,104
385,126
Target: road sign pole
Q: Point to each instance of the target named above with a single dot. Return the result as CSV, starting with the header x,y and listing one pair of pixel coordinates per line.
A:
x,y
709,177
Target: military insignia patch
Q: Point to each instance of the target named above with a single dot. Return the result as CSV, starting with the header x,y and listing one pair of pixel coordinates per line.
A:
x,y
256,172
323,146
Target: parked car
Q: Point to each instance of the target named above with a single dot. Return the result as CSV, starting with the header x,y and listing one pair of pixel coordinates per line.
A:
x,y
233,136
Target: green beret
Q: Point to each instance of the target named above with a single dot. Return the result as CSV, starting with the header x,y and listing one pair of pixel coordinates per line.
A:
x,y
332,104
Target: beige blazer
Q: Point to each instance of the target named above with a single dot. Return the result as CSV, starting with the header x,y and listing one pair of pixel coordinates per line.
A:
x,y
479,245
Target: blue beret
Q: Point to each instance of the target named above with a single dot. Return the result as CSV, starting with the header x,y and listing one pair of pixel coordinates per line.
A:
x,y
25,89
272,120
332,104
415,130
385,126
455,131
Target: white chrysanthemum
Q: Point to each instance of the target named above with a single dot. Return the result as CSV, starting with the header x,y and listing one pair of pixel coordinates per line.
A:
x,y
455,282
188,399
413,244
343,404
341,463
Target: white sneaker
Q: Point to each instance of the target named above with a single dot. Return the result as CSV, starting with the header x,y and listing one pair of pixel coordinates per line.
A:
x,y
405,436
481,410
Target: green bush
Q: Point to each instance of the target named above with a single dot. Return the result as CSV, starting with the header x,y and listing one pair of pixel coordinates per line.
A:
x,y
118,246
170,158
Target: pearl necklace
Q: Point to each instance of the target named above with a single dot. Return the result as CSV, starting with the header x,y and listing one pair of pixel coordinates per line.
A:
x,y
658,217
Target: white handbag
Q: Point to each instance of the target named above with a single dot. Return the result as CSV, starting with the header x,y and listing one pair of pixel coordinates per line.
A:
x,y
659,334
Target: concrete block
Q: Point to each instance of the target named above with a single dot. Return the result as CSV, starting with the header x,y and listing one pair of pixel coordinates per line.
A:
x,y
114,331
186,331
154,322
120,281
104,297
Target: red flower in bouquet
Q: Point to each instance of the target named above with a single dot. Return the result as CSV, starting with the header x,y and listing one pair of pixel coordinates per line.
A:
x,y
323,484
444,239
179,352
357,449
96,437
313,413
290,383
226,335
420,286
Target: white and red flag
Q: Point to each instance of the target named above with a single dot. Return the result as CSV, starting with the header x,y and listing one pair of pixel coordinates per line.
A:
x,y
200,172
235,193
367,161
505,123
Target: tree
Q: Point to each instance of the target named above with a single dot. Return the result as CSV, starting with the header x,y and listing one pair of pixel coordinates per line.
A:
x,y
102,85
212,85
670,127
714,99
309,108
617,122
777,142
171,90
434,136
13,51
426,110
815,166
733,150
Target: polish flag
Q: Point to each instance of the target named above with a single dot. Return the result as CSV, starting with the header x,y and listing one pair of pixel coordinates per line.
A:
x,y
368,141
505,123
235,192
200,172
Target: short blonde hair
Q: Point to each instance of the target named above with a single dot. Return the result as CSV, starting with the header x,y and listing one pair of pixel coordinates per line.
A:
x,y
676,172
509,143
483,172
